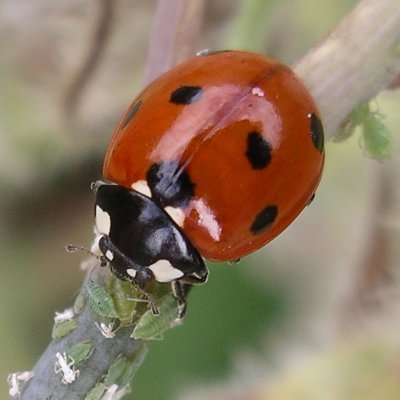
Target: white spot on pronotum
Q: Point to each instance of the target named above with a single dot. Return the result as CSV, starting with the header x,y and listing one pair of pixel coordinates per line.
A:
x,y
16,381
103,221
176,214
94,248
164,271
109,255
65,365
131,272
141,187
257,91
65,315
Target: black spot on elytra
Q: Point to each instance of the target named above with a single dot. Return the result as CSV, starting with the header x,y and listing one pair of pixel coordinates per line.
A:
x,y
170,185
264,219
258,150
317,132
132,112
186,95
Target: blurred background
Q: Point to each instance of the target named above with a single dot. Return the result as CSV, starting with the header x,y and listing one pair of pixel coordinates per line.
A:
x,y
313,315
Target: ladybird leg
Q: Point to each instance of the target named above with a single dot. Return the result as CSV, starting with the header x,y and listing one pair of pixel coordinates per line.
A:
x,y
197,277
139,277
124,268
180,290
148,296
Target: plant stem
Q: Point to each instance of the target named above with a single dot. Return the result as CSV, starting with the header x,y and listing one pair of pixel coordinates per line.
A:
x,y
46,384
355,62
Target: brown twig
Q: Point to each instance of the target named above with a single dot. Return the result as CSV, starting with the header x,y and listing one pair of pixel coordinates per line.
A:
x,y
372,290
176,25
92,58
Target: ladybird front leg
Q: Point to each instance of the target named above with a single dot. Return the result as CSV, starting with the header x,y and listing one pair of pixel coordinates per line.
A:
x,y
148,296
139,277
124,268
180,290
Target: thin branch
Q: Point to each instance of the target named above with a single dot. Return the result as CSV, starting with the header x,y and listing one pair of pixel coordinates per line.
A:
x,y
176,25
46,384
86,70
162,41
189,29
374,287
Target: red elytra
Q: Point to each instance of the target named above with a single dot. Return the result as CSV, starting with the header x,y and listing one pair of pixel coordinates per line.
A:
x,y
245,132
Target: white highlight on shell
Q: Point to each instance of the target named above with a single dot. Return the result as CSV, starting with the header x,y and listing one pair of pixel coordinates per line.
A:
x,y
176,214
131,272
203,52
257,91
164,271
109,255
103,221
207,219
141,187
65,365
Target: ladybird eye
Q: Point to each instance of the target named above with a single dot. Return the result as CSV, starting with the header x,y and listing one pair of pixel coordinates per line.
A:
x,y
186,95
264,219
317,132
258,150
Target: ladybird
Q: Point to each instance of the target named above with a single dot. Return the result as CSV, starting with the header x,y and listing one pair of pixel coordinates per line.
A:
x,y
212,160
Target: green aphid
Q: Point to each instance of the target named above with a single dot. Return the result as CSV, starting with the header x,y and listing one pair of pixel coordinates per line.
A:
x,y
62,328
116,371
376,140
100,300
133,364
96,392
151,326
125,299
79,303
81,351
354,120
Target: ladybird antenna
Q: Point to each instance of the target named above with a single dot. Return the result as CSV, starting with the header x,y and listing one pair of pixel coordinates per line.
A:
x,y
73,248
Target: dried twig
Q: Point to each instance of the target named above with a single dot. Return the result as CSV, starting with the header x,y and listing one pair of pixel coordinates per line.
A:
x,y
89,64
